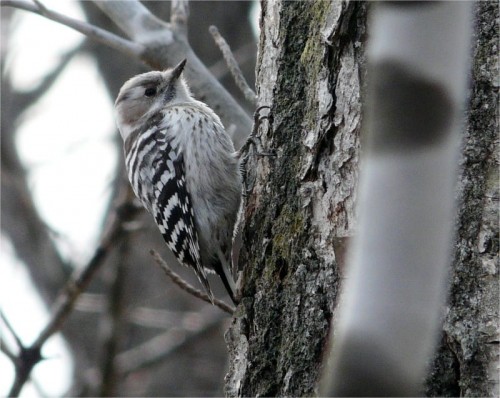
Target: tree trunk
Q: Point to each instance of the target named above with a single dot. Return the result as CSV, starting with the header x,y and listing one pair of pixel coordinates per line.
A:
x,y
302,200
467,361
300,207
299,214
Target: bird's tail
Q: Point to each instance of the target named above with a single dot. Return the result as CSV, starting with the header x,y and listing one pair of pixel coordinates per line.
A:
x,y
223,269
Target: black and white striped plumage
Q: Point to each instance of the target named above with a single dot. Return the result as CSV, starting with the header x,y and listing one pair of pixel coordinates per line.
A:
x,y
182,166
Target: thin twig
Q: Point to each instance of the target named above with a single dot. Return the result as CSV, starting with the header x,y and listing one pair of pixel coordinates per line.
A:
x,y
66,300
187,287
155,45
235,70
19,343
30,356
53,75
160,347
115,332
165,46
156,318
29,97
137,22
179,14
101,35
23,362
242,55
7,351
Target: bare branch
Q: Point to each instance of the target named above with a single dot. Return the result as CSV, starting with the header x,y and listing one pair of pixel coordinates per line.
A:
x,y
7,351
137,22
187,287
30,356
27,98
101,35
235,70
11,330
40,5
242,55
113,334
91,302
164,49
160,347
156,318
23,362
156,45
66,300
179,14
143,316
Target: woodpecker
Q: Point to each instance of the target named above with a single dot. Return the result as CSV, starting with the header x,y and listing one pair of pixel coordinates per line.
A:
x,y
182,166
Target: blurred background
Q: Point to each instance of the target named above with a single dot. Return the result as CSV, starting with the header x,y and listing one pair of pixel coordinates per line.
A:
x,y
61,170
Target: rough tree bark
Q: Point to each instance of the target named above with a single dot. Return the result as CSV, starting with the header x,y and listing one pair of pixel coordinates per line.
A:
x,y
301,207
299,215
310,73
391,304
466,363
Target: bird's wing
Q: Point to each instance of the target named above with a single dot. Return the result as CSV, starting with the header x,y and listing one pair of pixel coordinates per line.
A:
x,y
173,211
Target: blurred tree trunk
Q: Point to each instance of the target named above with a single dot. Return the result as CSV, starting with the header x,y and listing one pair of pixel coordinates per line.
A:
x,y
299,216
310,72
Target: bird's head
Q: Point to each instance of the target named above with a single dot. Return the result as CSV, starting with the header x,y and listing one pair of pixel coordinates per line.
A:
x,y
145,94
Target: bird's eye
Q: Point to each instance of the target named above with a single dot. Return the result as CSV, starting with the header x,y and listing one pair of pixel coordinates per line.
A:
x,y
150,92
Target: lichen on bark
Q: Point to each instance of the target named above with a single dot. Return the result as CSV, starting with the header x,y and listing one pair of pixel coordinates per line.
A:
x,y
278,335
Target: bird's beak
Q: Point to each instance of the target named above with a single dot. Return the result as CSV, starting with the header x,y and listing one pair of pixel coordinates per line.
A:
x,y
176,72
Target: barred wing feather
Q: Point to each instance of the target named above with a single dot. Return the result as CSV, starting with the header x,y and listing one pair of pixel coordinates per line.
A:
x,y
173,212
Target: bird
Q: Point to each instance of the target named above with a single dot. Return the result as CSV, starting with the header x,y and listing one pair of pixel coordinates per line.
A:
x,y
183,168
